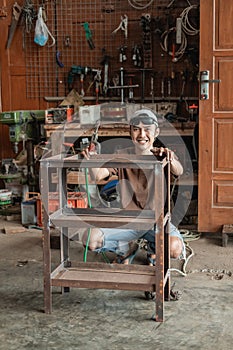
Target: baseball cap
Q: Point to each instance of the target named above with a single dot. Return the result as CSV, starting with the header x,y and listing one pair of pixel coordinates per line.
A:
x,y
145,116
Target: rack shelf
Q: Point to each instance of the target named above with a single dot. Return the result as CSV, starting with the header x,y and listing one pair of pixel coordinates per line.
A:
x,y
106,276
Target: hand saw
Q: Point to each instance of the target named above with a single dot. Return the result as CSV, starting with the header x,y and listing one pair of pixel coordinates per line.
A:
x,y
16,12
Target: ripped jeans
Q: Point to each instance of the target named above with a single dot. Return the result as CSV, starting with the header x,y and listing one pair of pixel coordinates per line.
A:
x,y
117,240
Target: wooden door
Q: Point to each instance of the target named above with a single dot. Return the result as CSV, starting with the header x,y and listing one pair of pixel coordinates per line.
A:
x,y
13,75
215,202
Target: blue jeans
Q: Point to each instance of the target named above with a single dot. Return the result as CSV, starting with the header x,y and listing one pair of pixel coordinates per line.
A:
x,y
117,240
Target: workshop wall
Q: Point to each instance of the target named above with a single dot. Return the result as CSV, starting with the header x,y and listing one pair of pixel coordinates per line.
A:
x,y
144,47
97,35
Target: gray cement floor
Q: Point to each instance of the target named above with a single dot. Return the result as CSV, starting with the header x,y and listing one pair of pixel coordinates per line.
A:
x,y
101,319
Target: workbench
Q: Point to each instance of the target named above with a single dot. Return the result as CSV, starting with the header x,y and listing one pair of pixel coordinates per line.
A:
x,y
58,134
115,129
102,275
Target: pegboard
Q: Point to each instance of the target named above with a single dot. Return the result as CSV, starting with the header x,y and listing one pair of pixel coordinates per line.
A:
x,y
48,68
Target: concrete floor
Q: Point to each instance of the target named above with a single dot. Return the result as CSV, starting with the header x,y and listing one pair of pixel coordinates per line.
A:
x,y
101,319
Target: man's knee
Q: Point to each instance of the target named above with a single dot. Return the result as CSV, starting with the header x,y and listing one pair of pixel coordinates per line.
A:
x,y
176,247
94,238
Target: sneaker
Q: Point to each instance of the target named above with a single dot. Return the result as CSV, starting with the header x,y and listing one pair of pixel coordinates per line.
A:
x,y
151,259
130,255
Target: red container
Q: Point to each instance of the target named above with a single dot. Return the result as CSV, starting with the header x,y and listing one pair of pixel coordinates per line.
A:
x,y
71,200
77,200
81,201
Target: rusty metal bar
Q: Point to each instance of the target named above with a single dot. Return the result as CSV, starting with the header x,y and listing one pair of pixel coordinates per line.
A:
x,y
63,278
44,179
159,238
167,237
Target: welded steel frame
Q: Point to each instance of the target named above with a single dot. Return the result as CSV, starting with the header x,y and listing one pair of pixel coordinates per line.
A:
x,y
121,277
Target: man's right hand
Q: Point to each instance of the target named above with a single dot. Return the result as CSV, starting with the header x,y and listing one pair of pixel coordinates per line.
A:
x,y
88,151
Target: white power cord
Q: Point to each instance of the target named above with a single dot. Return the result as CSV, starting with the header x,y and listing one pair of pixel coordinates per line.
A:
x,y
140,5
164,44
186,25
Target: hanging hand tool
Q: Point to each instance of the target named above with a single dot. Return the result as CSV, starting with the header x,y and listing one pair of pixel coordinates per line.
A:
x,y
16,13
97,85
162,87
143,85
105,87
169,87
152,92
131,92
29,15
116,81
184,76
58,60
88,35
92,145
122,84
74,71
105,62
147,39
97,81
137,56
122,54
94,137
82,92
123,26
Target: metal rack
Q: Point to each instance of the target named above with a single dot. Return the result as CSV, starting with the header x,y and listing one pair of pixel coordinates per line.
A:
x,y
97,275
47,68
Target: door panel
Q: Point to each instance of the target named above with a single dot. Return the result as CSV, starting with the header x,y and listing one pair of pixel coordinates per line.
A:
x,y
223,95
223,12
215,198
223,194
13,76
223,157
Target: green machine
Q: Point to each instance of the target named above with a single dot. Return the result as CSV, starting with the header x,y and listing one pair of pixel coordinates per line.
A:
x,y
24,125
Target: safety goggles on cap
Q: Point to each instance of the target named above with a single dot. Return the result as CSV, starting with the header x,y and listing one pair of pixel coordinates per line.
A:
x,y
144,119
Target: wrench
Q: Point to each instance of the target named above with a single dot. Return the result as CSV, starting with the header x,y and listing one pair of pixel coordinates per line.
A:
x,y
105,86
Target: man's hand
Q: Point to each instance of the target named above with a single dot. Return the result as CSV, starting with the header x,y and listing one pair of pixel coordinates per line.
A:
x,y
88,151
97,174
164,152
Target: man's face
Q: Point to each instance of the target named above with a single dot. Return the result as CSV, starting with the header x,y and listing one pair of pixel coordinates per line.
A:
x,y
143,136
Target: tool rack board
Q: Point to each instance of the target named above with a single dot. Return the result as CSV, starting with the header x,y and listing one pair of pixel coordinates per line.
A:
x,y
65,19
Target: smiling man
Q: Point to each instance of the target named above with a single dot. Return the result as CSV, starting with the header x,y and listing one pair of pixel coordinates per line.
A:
x,y
136,192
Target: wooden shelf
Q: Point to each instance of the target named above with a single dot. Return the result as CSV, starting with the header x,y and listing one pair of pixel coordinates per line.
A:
x,y
102,217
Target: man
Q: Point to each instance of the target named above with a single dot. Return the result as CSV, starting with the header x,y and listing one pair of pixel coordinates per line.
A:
x,y
135,194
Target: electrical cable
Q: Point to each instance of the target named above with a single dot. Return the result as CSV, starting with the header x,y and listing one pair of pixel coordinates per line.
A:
x,y
89,230
87,188
187,259
90,206
138,5
186,25
164,44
